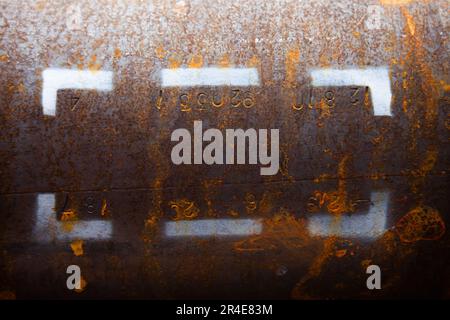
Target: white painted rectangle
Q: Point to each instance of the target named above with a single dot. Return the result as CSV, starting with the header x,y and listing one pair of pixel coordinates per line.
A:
x,y
55,79
194,77
376,78
213,227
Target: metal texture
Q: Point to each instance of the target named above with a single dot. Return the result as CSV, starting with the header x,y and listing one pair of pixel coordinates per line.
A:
x,y
358,90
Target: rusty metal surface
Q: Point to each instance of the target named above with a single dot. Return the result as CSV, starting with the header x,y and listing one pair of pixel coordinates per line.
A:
x,y
345,162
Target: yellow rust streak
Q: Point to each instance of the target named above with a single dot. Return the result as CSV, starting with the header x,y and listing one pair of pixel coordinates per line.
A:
x,y
253,62
224,61
409,21
117,53
93,65
68,218
160,52
174,62
421,223
184,209
291,62
315,269
104,211
4,58
77,247
196,61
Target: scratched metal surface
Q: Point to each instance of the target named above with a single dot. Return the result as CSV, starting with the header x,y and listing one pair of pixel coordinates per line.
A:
x,y
92,183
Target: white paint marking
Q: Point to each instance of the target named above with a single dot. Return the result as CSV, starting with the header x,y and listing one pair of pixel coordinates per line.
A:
x,y
377,79
370,225
86,230
213,227
191,77
47,227
55,79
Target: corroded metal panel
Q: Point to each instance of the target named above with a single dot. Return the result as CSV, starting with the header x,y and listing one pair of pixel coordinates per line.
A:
x,y
91,92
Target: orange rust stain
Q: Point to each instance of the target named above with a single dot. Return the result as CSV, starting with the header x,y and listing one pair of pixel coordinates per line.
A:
x,y
365,263
409,21
93,65
342,167
184,209
69,215
291,63
104,210
160,52
69,218
253,62
324,60
341,204
196,61
117,53
327,252
421,223
77,247
405,105
21,88
174,62
4,58
224,61
233,213
209,189
282,230
324,108
80,64
377,140
284,168
83,285
266,204
11,88
336,202
428,162
389,242
151,222
322,177
299,291
341,253
416,58
367,102
445,86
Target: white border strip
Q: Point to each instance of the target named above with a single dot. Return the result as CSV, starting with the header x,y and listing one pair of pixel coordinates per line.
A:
x,y
47,228
377,79
213,227
191,77
369,225
55,79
